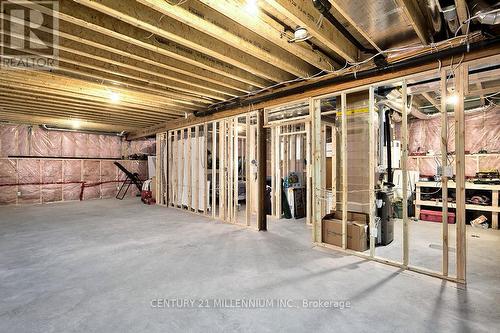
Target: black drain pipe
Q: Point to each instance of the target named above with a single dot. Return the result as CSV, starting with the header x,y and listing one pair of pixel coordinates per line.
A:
x,y
412,62
388,142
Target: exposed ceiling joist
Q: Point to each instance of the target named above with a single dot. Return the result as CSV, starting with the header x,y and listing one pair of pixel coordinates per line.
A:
x,y
416,18
111,27
354,24
91,90
163,26
64,122
264,26
216,25
26,98
462,13
305,15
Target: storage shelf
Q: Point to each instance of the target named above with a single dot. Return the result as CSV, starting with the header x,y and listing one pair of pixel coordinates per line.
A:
x,y
493,208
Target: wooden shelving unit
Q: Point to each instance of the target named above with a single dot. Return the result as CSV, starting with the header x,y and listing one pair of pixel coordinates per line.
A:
x,y
493,208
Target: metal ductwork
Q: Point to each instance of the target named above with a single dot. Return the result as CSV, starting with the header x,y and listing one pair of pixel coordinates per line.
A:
x,y
431,10
484,13
60,129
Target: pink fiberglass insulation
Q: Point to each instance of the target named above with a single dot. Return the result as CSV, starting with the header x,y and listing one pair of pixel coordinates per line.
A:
x,y
489,163
482,132
81,145
8,142
52,173
8,175
29,173
91,175
72,172
109,172
68,144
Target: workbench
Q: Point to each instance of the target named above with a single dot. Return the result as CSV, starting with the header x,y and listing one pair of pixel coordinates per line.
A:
x,y
494,208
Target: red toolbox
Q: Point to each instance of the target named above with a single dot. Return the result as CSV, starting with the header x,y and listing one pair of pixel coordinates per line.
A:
x,y
436,216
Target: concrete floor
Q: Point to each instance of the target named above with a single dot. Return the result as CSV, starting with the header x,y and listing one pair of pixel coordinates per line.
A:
x,y
96,266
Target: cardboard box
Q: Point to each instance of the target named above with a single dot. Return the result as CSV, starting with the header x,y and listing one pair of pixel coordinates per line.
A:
x,y
357,230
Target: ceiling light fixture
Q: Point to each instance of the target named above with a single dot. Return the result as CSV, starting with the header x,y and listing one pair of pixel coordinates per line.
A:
x,y
75,123
452,99
300,35
251,7
114,97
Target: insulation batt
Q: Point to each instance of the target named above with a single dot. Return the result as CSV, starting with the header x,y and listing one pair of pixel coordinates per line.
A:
x,y
32,142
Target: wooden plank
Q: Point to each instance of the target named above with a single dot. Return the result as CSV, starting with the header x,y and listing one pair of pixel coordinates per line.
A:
x,y
314,92
161,25
110,26
204,152
494,215
461,245
235,157
444,165
261,172
216,25
266,28
315,111
182,167
343,158
462,13
305,15
372,158
416,18
309,189
273,168
195,199
222,170
404,167
214,167
248,165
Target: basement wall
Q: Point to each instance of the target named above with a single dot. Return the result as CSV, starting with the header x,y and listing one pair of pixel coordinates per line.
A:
x,y
482,133
75,166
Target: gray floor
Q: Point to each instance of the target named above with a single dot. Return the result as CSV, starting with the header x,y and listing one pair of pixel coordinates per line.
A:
x,y
96,266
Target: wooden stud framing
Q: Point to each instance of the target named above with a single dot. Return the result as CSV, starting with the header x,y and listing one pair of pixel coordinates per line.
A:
x,y
343,158
261,172
214,167
371,167
444,165
460,77
248,187
404,161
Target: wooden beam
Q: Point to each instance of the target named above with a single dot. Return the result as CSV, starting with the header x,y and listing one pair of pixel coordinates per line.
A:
x,y
460,76
462,13
404,167
263,26
165,27
80,51
216,25
176,69
32,101
328,89
31,119
343,159
305,15
106,108
416,19
432,100
35,109
261,172
339,7
444,178
59,83
87,18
